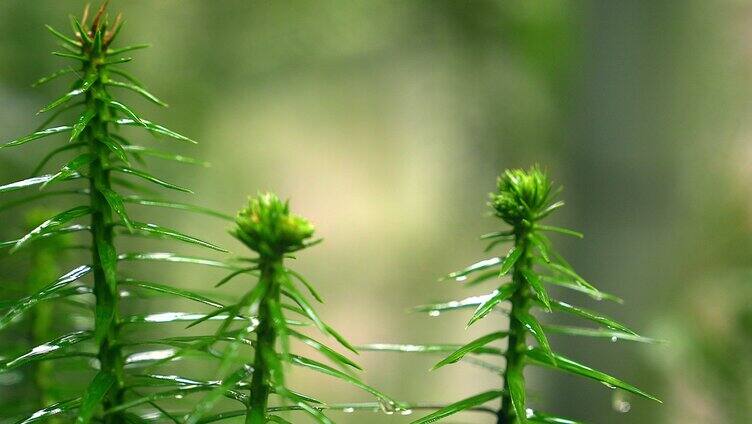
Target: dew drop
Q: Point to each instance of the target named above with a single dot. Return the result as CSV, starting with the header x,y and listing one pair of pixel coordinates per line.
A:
x,y
348,410
614,339
434,313
461,278
529,413
406,412
178,396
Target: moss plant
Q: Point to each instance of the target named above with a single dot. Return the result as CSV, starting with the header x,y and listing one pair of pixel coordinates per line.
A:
x,y
101,167
268,228
522,200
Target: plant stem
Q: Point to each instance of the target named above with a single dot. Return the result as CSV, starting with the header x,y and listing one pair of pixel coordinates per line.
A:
x,y
266,338
104,265
516,340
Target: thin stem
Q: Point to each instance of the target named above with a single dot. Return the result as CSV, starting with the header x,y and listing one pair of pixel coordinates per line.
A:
x,y
103,251
266,338
516,340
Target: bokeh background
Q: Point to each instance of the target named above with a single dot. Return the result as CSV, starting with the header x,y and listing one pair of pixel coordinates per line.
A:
x,y
386,122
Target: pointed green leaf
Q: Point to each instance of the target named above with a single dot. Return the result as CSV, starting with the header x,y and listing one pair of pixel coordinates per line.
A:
x,y
52,233
599,332
126,110
50,411
83,87
159,129
539,357
82,122
315,413
70,169
535,283
533,326
503,293
469,348
234,274
63,37
325,350
550,208
37,196
53,76
573,285
75,56
94,395
45,350
308,285
47,292
171,257
460,406
157,231
568,271
116,203
165,155
325,369
126,75
537,417
516,384
139,200
138,89
126,49
590,315
115,148
541,243
80,31
426,348
478,266
207,403
54,152
560,230
469,302
148,177
51,223
506,265
187,294
37,135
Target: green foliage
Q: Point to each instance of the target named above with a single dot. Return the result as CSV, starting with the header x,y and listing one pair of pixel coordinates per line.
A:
x,y
522,200
267,227
98,288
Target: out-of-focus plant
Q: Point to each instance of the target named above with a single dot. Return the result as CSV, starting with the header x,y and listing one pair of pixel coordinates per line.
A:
x,y
102,166
267,227
522,200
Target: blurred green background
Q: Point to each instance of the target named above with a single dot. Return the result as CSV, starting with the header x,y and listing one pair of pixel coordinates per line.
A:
x,y
386,123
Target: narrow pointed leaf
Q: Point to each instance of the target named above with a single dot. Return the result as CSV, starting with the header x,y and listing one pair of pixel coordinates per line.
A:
x,y
573,285
53,153
325,350
37,135
83,87
315,413
116,203
539,357
590,315
612,335
140,200
159,129
516,384
58,408
567,270
325,369
206,404
503,293
94,395
535,283
153,230
116,149
470,348
47,292
70,169
62,37
82,122
164,155
126,110
75,56
53,76
51,223
537,417
148,177
234,274
452,305
161,288
308,285
533,326
125,49
171,257
478,266
138,89
426,348
514,254
46,350
460,406
52,233
560,230
126,75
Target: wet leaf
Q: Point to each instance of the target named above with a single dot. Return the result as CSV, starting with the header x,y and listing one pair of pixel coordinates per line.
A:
x,y
136,88
70,169
426,348
207,403
84,85
533,326
94,395
161,288
140,200
121,50
572,285
516,384
478,266
325,350
590,315
81,122
51,223
164,155
559,230
460,406
37,135
172,257
503,293
539,357
44,351
159,129
64,38
535,283
470,348
508,262
50,411
599,332
537,417
148,177
157,231
54,75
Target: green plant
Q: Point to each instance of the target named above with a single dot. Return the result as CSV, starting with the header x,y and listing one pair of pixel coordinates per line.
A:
x,y
101,160
522,200
267,227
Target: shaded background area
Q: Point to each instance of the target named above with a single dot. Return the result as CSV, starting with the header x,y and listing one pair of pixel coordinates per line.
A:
x,y
386,123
